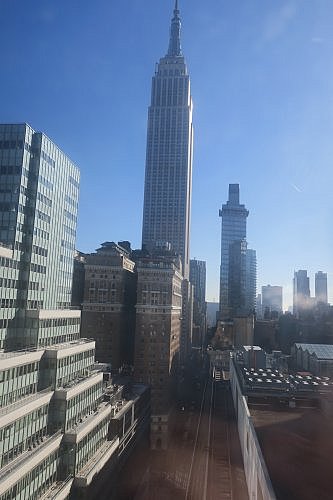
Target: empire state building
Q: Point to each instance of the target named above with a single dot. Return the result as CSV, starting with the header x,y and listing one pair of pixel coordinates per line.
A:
x,y
168,177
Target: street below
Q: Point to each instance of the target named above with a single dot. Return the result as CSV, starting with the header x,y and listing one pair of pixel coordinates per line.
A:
x,y
203,460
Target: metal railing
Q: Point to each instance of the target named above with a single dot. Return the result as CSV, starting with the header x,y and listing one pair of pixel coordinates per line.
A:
x,y
23,402
56,488
11,466
25,350
86,469
66,345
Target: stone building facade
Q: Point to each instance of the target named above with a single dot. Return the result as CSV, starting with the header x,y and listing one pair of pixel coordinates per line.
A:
x,y
108,314
157,336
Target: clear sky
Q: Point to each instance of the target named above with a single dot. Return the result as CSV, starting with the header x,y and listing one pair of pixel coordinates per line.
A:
x,y
262,85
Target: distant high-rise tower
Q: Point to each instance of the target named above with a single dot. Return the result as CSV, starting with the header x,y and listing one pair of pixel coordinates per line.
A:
x,y
301,285
198,280
271,299
251,280
234,217
168,178
321,287
236,278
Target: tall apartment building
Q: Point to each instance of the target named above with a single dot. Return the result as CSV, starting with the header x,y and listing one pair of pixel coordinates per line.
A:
x,y
238,271
53,419
321,287
237,278
234,217
301,292
108,314
168,178
198,280
157,335
271,299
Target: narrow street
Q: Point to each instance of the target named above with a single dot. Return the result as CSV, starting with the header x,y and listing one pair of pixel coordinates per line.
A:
x,y
203,461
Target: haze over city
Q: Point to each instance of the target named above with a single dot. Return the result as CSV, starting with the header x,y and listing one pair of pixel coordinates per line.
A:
x,y
262,90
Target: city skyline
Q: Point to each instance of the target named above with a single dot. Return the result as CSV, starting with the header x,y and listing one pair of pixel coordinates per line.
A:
x,y
261,82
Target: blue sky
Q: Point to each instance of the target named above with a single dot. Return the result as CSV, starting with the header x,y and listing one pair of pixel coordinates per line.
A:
x,y
262,86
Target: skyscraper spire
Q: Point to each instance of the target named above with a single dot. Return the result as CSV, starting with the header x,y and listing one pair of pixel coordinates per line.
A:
x,y
174,43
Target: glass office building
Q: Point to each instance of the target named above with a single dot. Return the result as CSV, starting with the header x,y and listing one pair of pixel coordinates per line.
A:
x,y
234,217
198,280
39,190
54,422
321,287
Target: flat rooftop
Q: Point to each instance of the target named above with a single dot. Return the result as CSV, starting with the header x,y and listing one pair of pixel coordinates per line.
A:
x,y
291,385
68,345
14,354
297,445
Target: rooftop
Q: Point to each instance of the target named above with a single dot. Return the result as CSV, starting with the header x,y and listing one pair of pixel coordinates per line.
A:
x,y
69,345
297,444
13,354
88,423
264,380
321,351
23,459
251,348
24,401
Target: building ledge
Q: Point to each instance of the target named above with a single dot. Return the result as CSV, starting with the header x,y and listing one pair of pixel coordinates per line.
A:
x,y
77,433
24,406
68,348
54,313
59,490
119,408
78,385
96,463
11,359
24,463
6,251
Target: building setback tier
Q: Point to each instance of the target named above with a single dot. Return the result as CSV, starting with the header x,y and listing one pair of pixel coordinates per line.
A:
x,y
23,407
26,462
59,491
83,385
53,313
64,350
96,463
12,359
78,433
